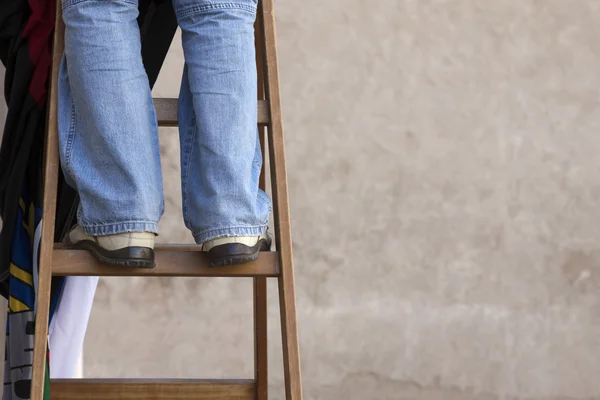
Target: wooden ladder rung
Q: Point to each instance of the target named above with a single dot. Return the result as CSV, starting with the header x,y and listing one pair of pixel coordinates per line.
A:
x,y
139,389
171,260
166,112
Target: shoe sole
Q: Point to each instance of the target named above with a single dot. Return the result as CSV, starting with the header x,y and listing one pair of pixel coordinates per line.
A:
x,y
235,253
129,257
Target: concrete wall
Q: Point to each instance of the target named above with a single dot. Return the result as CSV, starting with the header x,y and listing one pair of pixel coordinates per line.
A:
x,y
444,177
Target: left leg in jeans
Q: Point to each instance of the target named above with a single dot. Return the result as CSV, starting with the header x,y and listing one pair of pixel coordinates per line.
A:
x,y
108,129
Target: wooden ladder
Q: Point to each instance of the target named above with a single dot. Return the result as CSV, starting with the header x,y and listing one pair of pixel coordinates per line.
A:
x,y
184,261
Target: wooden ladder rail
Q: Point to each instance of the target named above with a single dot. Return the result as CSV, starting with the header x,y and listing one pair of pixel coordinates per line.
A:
x,y
281,210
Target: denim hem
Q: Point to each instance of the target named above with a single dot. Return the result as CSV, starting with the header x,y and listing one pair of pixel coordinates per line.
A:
x,y
228,232
119,227
200,9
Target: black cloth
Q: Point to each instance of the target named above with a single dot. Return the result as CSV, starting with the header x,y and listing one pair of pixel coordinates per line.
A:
x,y
22,142
25,42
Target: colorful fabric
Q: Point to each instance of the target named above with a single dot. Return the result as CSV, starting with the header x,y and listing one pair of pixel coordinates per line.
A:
x,y
21,312
25,41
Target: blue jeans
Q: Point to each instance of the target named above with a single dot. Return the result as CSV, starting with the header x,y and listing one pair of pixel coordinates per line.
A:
x,y
108,129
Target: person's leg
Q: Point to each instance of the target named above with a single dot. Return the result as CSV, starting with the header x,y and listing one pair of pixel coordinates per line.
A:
x,y
108,130
220,151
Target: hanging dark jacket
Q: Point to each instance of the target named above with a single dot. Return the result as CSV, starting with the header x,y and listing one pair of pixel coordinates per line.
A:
x,y
26,28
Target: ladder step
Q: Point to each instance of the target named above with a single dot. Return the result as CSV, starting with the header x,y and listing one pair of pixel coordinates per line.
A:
x,y
134,389
166,112
171,260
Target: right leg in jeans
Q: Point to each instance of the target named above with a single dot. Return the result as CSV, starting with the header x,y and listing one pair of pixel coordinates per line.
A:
x,y
107,127
220,152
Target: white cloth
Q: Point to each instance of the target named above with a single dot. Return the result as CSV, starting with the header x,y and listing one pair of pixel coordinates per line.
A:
x,y
68,326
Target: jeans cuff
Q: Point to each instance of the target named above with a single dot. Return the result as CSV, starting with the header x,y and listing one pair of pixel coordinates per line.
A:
x,y
119,227
229,232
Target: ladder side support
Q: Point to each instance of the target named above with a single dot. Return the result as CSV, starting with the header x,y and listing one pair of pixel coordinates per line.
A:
x,y
261,354
261,362
283,238
52,164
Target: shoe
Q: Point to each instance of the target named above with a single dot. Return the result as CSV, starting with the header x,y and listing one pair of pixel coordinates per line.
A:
x,y
236,249
129,249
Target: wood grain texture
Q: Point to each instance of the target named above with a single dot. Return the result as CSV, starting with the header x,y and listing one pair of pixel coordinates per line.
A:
x,y
173,261
51,167
283,236
261,353
166,112
112,389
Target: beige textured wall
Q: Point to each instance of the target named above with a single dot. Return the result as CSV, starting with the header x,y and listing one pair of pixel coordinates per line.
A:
x,y
444,177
